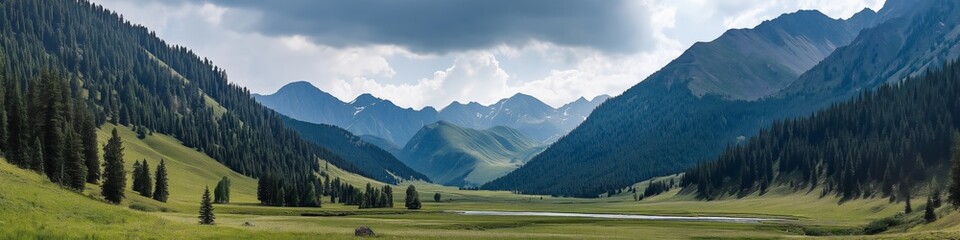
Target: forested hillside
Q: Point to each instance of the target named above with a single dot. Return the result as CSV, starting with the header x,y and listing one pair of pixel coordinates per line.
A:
x,y
887,142
129,76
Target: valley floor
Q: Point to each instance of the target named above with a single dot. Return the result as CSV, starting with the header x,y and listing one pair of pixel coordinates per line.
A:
x,y
32,207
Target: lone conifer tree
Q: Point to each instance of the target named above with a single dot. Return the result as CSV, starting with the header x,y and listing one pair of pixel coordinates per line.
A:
x,y
413,198
206,208
114,177
436,197
160,193
221,194
929,213
954,197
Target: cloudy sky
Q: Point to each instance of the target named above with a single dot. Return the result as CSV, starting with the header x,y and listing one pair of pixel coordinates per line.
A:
x,y
431,52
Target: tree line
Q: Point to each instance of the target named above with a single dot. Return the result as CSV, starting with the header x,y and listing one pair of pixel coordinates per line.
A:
x,y
47,128
272,191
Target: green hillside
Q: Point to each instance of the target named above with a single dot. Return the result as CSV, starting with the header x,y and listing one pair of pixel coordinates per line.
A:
x,y
384,166
34,208
189,170
456,156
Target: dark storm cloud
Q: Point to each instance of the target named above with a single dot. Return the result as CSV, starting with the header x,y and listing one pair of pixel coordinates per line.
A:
x,y
437,26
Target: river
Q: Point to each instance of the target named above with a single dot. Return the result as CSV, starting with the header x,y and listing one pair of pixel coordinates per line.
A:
x,y
621,216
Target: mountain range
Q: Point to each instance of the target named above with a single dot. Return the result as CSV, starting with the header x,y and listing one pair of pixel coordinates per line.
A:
x,y
380,118
701,102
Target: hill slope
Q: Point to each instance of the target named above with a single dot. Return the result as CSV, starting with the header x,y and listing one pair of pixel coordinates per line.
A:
x,y
360,153
457,156
688,110
34,207
369,115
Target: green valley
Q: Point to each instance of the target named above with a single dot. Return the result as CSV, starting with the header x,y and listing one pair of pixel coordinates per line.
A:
x,y
804,126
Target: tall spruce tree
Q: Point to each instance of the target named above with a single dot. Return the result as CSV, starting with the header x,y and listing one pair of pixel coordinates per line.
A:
x,y
221,194
3,111
74,167
18,141
388,192
35,158
88,135
146,187
160,192
954,197
52,120
135,176
929,214
413,198
114,176
206,208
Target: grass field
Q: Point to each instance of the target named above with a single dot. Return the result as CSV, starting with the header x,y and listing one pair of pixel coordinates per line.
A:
x,y
31,207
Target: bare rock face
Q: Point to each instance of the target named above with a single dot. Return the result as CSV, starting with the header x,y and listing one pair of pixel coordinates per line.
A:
x,y
363,231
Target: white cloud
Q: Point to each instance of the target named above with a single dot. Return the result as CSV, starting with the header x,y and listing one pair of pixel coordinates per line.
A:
x,y
555,74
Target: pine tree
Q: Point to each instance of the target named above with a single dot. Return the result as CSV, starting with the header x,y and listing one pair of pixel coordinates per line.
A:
x,y
907,208
36,155
262,189
388,191
309,197
52,128
937,198
146,189
206,208
75,169
436,197
114,176
135,176
3,112
88,135
413,198
17,147
221,194
160,192
954,196
929,213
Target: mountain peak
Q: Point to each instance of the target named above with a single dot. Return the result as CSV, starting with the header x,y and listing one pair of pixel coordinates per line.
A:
x,y
521,95
299,87
365,99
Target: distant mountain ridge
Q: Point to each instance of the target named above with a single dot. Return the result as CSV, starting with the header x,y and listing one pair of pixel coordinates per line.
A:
x,y
369,115
458,156
360,153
